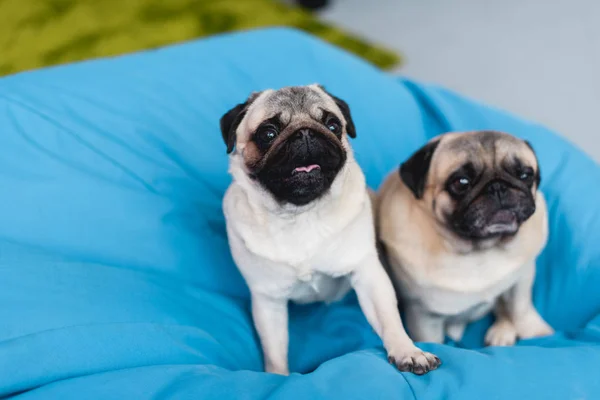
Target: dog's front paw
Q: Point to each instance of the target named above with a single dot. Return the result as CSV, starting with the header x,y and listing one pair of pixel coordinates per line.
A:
x,y
414,360
532,325
501,333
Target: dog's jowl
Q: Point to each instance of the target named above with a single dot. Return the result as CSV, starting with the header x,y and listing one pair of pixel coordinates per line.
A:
x,y
299,219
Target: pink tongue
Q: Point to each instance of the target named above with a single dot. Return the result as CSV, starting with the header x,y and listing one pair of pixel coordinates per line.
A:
x,y
308,168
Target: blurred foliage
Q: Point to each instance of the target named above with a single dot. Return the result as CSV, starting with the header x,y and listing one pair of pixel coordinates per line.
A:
x,y
37,33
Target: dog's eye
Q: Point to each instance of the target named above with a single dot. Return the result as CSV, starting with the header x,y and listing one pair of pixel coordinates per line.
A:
x,y
267,133
333,124
459,185
525,175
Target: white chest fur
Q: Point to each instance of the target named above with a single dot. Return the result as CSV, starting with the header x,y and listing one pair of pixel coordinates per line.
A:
x,y
459,284
298,253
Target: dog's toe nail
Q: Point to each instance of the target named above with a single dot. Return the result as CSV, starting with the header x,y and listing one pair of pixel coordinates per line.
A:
x,y
405,367
419,369
418,363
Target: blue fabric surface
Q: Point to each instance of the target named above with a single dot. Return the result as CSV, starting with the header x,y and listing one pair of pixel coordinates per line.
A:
x,y
116,280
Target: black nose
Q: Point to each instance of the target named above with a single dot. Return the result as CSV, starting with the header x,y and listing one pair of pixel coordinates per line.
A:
x,y
497,189
304,133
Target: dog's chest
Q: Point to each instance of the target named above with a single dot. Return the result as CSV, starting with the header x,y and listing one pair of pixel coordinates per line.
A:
x,y
475,273
312,243
299,242
459,285
316,286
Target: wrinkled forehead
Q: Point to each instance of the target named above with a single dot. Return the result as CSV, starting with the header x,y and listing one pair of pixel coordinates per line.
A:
x,y
484,149
288,104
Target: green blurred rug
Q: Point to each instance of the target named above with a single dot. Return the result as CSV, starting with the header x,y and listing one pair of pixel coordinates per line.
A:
x,y
38,33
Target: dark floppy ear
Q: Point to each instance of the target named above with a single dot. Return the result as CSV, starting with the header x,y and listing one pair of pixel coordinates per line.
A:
x,y
413,171
538,175
345,109
229,123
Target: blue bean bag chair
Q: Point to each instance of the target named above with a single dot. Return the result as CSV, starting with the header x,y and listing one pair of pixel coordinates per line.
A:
x,y
116,280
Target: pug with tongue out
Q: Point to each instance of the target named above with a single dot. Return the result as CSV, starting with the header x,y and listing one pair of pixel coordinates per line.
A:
x,y
299,219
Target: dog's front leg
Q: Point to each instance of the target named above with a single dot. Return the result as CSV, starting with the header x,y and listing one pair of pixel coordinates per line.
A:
x,y
521,311
271,321
503,331
378,301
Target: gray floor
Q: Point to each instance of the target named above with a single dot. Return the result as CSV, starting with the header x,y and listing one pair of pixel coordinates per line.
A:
x,y
537,58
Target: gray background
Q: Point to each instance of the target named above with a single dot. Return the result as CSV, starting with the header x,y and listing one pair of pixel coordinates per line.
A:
x,y
539,59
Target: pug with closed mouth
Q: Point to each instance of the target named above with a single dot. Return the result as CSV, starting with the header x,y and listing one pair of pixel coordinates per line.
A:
x,y
299,219
462,223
